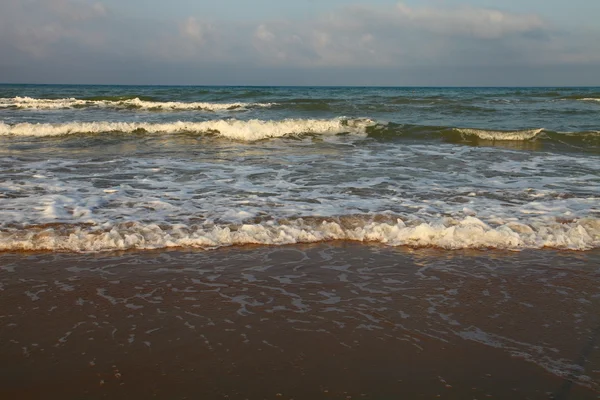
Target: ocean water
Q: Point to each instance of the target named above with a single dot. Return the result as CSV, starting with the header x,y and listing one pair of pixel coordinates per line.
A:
x,y
101,168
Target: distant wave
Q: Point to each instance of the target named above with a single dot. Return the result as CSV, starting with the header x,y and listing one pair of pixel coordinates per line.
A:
x,y
117,98
122,103
148,103
590,96
453,134
466,233
586,140
502,135
229,128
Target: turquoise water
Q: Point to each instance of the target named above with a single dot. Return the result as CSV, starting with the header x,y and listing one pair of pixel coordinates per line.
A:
x,y
92,168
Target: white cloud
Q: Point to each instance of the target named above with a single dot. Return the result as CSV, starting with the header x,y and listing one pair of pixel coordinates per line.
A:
x,y
468,21
195,30
264,34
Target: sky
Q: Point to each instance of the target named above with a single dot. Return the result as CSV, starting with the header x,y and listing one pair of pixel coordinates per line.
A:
x,y
301,42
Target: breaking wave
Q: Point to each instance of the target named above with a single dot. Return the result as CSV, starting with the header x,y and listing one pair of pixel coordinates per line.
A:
x,y
252,130
230,128
122,103
590,96
502,135
451,234
587,140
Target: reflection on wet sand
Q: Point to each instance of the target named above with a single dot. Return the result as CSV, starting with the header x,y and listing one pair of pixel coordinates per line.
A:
x,y
337,320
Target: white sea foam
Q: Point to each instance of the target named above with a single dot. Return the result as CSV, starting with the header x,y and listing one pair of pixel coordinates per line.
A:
x,y
469,232
50,104
591,99
230,128
502,135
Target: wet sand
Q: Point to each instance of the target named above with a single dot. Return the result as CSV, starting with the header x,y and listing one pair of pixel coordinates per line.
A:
x,y
325,321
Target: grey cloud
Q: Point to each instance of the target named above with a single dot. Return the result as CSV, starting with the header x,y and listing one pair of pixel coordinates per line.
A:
x,y
400,35
403,36
33,27
74,10
85,34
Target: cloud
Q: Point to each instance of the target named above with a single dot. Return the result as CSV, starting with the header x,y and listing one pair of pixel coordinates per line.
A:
x,y
264,34
350,37
74,10
468,21
396,35
195,30
33,27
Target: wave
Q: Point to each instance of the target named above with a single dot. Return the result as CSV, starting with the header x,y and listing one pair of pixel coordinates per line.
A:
x,y
450,234
586,140
122,103
117,98
501,135
307,104
252,130
580,141
229,128
590,96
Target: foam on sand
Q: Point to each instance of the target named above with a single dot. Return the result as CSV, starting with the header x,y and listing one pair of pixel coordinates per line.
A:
x,y
50,104
229,128
466,233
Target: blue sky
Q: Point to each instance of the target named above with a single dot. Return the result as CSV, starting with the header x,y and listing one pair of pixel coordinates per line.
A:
x,y
302,42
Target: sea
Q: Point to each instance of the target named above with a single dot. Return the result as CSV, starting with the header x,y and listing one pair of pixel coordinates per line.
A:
x,y
107,168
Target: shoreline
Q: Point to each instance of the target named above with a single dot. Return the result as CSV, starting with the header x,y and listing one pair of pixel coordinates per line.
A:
x,y
308,321
431,249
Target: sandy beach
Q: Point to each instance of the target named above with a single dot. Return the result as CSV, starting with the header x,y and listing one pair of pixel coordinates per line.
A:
x,y
326,321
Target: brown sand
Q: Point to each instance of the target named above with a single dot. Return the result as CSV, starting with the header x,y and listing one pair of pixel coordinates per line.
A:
x,y
326,321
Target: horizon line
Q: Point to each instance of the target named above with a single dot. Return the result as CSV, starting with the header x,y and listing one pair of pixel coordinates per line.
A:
x,y
309,86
